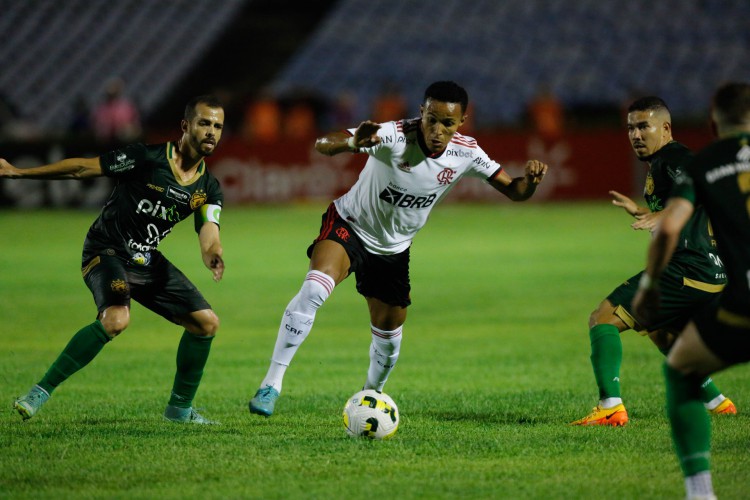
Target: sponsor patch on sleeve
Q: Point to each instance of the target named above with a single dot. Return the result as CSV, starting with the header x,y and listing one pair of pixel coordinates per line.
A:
x,y
211,213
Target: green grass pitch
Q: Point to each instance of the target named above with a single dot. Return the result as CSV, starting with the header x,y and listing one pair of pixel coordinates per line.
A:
x,y
494,364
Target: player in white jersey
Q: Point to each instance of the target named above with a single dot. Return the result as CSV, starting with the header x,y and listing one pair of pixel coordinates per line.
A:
x,y
412,165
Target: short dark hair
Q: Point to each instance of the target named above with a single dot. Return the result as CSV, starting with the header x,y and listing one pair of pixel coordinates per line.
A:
x,y
208,99
447,91
648,103
731,103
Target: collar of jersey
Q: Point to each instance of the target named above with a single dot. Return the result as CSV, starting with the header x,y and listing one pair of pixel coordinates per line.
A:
x,y
423,146
170,159
659,152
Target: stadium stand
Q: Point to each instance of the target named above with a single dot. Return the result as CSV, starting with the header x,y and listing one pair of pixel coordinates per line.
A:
x,y
53,52
588,52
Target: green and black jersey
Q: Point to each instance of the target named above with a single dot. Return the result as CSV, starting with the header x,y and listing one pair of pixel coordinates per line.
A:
x,y
149,198
695,257
719,179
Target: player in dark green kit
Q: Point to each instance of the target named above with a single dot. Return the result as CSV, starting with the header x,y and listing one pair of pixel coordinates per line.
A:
x,y
156,187
693,278
718,336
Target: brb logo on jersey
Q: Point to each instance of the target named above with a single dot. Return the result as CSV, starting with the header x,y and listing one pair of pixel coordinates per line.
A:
x,y
445,176
406,200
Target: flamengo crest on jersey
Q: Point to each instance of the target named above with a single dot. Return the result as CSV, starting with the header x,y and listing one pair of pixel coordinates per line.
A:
x,y
401,183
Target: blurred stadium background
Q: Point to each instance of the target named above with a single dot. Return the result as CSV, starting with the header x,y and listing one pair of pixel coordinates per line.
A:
x,y
548,79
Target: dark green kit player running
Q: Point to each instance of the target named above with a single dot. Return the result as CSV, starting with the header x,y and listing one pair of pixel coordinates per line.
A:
x,y
718,336
157,187
693,278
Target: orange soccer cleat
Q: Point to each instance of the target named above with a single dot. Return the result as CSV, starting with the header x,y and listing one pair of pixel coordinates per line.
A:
x,y
615,416
726,407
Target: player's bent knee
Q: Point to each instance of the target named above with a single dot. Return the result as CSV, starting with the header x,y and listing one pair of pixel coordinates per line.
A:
x,y
604,314
209,324
115,320
202,323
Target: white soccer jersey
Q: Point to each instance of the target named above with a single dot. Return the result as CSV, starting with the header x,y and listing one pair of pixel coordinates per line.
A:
x,y
401,183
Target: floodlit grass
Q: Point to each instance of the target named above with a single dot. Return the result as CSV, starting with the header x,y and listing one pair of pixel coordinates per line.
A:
x,y
494,364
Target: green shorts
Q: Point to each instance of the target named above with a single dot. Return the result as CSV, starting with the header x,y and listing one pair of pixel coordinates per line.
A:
x,y
725,333
680,297
160,286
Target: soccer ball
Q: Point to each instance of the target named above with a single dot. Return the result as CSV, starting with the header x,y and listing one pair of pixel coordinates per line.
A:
x,y
371,414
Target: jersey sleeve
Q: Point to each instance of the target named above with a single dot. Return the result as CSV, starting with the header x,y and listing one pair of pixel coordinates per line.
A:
x,y
211,210
683,187
483,166
387,133
125,161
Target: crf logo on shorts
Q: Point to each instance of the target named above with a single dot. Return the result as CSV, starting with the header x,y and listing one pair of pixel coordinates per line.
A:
x,y
342,233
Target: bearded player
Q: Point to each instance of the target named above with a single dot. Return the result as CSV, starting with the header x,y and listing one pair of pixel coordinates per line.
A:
x,y
156,187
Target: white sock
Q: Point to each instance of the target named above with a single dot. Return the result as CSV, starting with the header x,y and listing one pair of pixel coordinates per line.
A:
x,y
296,324
699,485
715,402
384,351
610,402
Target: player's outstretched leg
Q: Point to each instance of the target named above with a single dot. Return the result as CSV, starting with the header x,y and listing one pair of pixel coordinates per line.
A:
x,y
29,404
606,358
296,324
81,349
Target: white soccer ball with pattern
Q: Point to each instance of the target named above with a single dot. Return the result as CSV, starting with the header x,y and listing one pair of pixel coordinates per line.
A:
x,y
371,414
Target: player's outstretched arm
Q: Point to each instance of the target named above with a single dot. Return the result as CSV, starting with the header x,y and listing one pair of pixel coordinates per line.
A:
x,y
211,250
627,204
520,188
71,168
334,143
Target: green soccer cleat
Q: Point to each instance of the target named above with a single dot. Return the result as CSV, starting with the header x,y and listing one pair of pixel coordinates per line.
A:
x,y
186,416
28,405
264,401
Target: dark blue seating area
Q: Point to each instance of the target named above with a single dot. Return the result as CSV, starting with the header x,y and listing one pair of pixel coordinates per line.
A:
x,y
589,52
53,51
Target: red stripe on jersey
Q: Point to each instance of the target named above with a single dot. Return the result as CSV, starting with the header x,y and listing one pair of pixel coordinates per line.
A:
x,y
324,282
410,125
464,141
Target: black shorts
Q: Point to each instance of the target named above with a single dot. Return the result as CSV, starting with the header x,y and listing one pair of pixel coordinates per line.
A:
x,y
678,301
725,333
160,286
383,277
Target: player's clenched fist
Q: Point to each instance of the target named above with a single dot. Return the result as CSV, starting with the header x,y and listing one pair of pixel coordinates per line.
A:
x,y
535,171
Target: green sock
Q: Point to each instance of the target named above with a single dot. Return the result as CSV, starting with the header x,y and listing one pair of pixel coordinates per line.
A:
x,y
191,359
82,348
606,358
709,391
691,426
